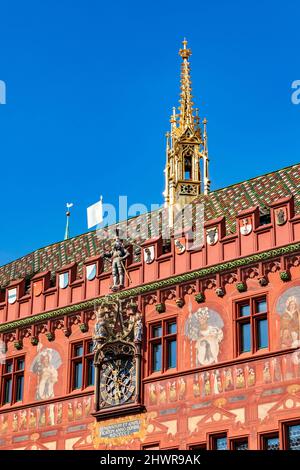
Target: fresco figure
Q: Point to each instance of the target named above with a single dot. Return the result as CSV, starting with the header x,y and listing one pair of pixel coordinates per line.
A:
x,y
152,394
23,420
288,307
217,382
251,377
172,391
196,386
32,419
205,328
15,423
207,386
162,394
87,405
50,415
182,388
42,416
78,410
59,415
267,373
70,411
4,424
296,362
277,376
228,380
289,324
240,378
45,366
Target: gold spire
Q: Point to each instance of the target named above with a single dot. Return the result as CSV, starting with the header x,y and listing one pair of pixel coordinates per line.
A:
x,y
186,171
186,118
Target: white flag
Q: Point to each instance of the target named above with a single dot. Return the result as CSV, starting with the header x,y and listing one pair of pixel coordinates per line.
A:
x,y
95,214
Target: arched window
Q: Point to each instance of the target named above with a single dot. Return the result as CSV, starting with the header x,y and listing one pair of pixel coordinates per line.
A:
x,y
188,168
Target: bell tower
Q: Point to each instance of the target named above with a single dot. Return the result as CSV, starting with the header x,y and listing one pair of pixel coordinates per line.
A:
x,y
186,172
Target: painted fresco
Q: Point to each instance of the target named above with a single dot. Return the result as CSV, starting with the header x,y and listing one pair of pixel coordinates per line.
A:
x,y
215,382
45,366
204,329
288,308
44,416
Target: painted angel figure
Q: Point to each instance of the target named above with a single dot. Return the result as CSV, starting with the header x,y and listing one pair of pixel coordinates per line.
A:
x,y
207,344
290,324
204,327
45,366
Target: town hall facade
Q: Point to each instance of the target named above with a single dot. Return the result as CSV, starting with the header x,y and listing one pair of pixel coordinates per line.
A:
x,y
114,342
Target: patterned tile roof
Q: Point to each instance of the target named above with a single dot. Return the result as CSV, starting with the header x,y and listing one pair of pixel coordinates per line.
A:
x,y
259,191
228,201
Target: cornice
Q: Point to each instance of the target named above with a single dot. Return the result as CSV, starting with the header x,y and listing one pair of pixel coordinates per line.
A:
x,y
153,286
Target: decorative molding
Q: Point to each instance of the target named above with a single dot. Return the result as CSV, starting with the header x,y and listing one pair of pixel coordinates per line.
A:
x,y
153,286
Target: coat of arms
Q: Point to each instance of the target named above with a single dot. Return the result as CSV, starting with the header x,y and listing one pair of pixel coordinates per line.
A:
x,y
12,296
91,272
37,288
281,216
149,254
246,226
63,280
212,236
180,245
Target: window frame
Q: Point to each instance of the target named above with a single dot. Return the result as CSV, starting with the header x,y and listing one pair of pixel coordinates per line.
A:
x,y
187,168
84,360
164,340
197,446
13,376
284,441
151,446
253,320
235,440
269,435
217,435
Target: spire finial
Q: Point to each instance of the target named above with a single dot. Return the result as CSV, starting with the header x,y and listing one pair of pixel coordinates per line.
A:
x,y
185,53
186,105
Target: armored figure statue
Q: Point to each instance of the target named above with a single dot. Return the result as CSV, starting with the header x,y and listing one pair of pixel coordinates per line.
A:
x,y
100,331
117,255
138,328
100,327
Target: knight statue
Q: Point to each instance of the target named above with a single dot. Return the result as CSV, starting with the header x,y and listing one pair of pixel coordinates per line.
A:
x,y
118,255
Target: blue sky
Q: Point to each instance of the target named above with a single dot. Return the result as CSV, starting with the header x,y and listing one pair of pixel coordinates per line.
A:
x,y
90,87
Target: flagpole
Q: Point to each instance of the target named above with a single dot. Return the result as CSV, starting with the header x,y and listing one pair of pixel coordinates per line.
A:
x,y
67,231
68,213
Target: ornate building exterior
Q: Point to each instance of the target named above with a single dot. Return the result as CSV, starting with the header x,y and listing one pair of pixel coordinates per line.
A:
x,y
159,344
